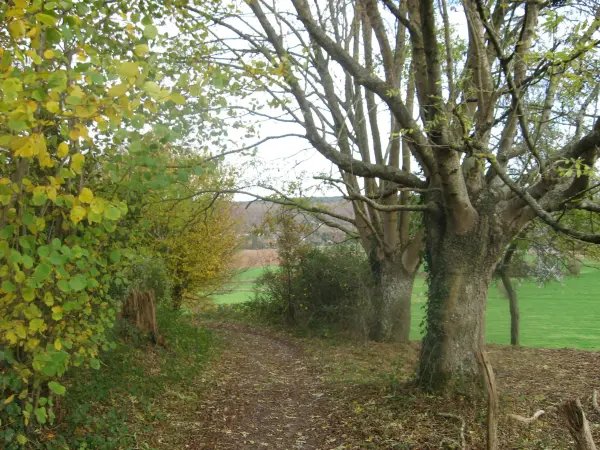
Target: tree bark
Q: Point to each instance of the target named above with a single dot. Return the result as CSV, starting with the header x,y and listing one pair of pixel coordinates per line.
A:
x,y
513,301
460,269
392,302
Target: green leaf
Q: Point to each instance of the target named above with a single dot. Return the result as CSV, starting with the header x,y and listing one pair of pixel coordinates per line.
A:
x,y
27,261
43,251
78,283
42,272
112,213
8,286
138,121
94,364
150,31
46,19
97,78
7,231
63,285
57,259
57,388
73,100
115,256
41,415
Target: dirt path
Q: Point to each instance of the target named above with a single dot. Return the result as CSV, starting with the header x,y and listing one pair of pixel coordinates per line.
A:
x,y
262,393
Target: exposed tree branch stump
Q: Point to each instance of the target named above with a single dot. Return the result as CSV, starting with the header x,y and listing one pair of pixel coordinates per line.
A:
x,y
140,310
578,426
527,420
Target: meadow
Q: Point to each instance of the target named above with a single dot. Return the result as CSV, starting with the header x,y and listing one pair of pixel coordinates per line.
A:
x,y
556,315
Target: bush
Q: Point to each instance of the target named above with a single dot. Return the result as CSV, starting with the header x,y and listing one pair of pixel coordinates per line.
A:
x,y
151,273
329,288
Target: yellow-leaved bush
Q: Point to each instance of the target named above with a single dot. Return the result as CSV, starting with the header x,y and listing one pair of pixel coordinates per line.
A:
x,y
70,113
196,235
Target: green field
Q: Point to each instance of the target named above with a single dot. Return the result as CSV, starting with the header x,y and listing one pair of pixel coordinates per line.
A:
x,y
241,287
557,315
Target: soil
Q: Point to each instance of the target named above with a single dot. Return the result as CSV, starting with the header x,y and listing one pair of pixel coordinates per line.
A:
x,y
263,394
272,390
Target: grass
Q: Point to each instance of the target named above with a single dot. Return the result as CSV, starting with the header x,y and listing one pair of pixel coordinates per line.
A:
x,y
127,403
554,316
242,287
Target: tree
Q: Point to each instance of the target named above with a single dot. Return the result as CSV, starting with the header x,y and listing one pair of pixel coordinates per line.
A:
x,y
491,156
350,115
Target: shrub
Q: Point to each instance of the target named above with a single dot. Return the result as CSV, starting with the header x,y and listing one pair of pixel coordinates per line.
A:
x,y
330,288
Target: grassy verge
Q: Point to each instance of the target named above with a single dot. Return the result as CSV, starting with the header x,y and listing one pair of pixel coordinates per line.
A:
x,y
130,402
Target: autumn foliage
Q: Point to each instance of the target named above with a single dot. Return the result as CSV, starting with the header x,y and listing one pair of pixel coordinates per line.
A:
x,y
83,143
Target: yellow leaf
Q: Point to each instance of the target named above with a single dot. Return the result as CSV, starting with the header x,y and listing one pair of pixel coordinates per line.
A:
x,y
20,277
53,107
63,150
117,90
9,399
32,343
78,131
49,299
57,344
24,146
28,294
129,70
11,337
49,54
21,331
51,193
17,29
178,99
141,50
86,195
77,161
97,206
77,214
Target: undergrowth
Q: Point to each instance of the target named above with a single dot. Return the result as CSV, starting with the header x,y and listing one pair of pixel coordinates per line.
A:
x,y
122,405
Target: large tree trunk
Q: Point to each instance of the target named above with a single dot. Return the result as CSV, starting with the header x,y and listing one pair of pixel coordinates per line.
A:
x,y
391,302
460,269
513,301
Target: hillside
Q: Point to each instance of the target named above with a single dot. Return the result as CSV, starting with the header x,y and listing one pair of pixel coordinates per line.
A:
x,y
252,215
